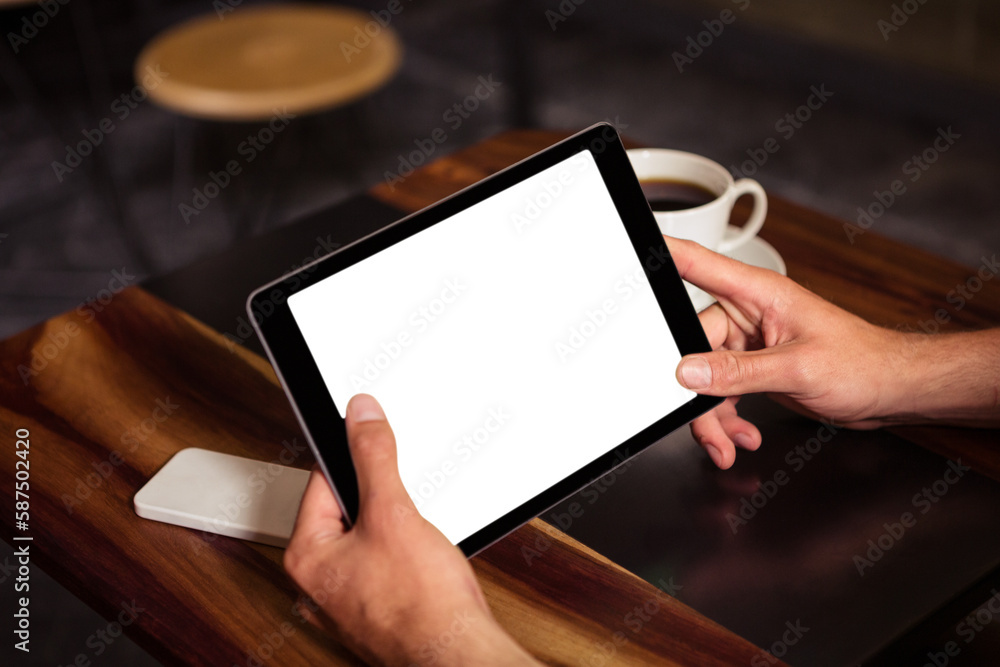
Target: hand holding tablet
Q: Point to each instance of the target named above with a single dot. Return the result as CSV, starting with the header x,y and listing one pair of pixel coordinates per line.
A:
x,y
522,335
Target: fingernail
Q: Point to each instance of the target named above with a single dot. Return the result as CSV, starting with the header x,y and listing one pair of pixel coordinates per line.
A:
x,y
714,454
743,440
695,373
364,408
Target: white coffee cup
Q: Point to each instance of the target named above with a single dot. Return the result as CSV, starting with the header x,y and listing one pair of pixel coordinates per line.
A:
x,y
708,223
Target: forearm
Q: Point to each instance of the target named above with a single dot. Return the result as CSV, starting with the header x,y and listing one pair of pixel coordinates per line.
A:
x,y
950,378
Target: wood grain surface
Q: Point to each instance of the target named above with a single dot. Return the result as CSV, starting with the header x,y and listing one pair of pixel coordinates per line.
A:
x,y
112,395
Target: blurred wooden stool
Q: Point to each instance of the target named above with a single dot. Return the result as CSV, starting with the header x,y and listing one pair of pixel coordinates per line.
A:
x,y
303,58
259,63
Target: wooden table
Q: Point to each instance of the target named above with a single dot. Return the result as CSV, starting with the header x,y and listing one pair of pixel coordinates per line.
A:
x,y
114,394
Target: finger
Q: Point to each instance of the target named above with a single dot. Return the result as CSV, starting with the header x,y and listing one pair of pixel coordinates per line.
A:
x,y
743,434
319,513
319,520
373,451
715,322
734,373
727,326
708,432
719,275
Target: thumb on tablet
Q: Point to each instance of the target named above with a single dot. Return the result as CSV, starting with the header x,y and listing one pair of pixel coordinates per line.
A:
x,y
373,450
734,373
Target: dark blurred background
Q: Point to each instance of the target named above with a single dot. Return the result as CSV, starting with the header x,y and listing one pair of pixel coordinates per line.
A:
x,y
562,65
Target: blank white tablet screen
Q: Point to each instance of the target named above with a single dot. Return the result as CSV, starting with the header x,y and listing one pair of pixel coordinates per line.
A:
x,y
510,345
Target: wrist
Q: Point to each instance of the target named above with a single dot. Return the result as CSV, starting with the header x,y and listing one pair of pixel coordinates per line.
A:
x,y
904,378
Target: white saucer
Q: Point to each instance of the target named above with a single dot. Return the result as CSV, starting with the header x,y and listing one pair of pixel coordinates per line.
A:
x,y
755,252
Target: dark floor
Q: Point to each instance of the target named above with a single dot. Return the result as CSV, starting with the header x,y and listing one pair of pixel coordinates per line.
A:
x,y
60,240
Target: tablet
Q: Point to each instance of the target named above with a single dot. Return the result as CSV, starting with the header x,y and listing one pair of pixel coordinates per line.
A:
x,y
521,335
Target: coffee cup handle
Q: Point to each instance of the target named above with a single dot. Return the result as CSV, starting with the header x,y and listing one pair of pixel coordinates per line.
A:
x,y
747,186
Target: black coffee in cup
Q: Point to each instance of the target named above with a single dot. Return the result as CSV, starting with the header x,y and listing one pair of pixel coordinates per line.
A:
x,y
673,195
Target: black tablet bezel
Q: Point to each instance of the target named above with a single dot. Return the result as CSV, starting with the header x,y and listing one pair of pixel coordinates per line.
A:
x,y
272,318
